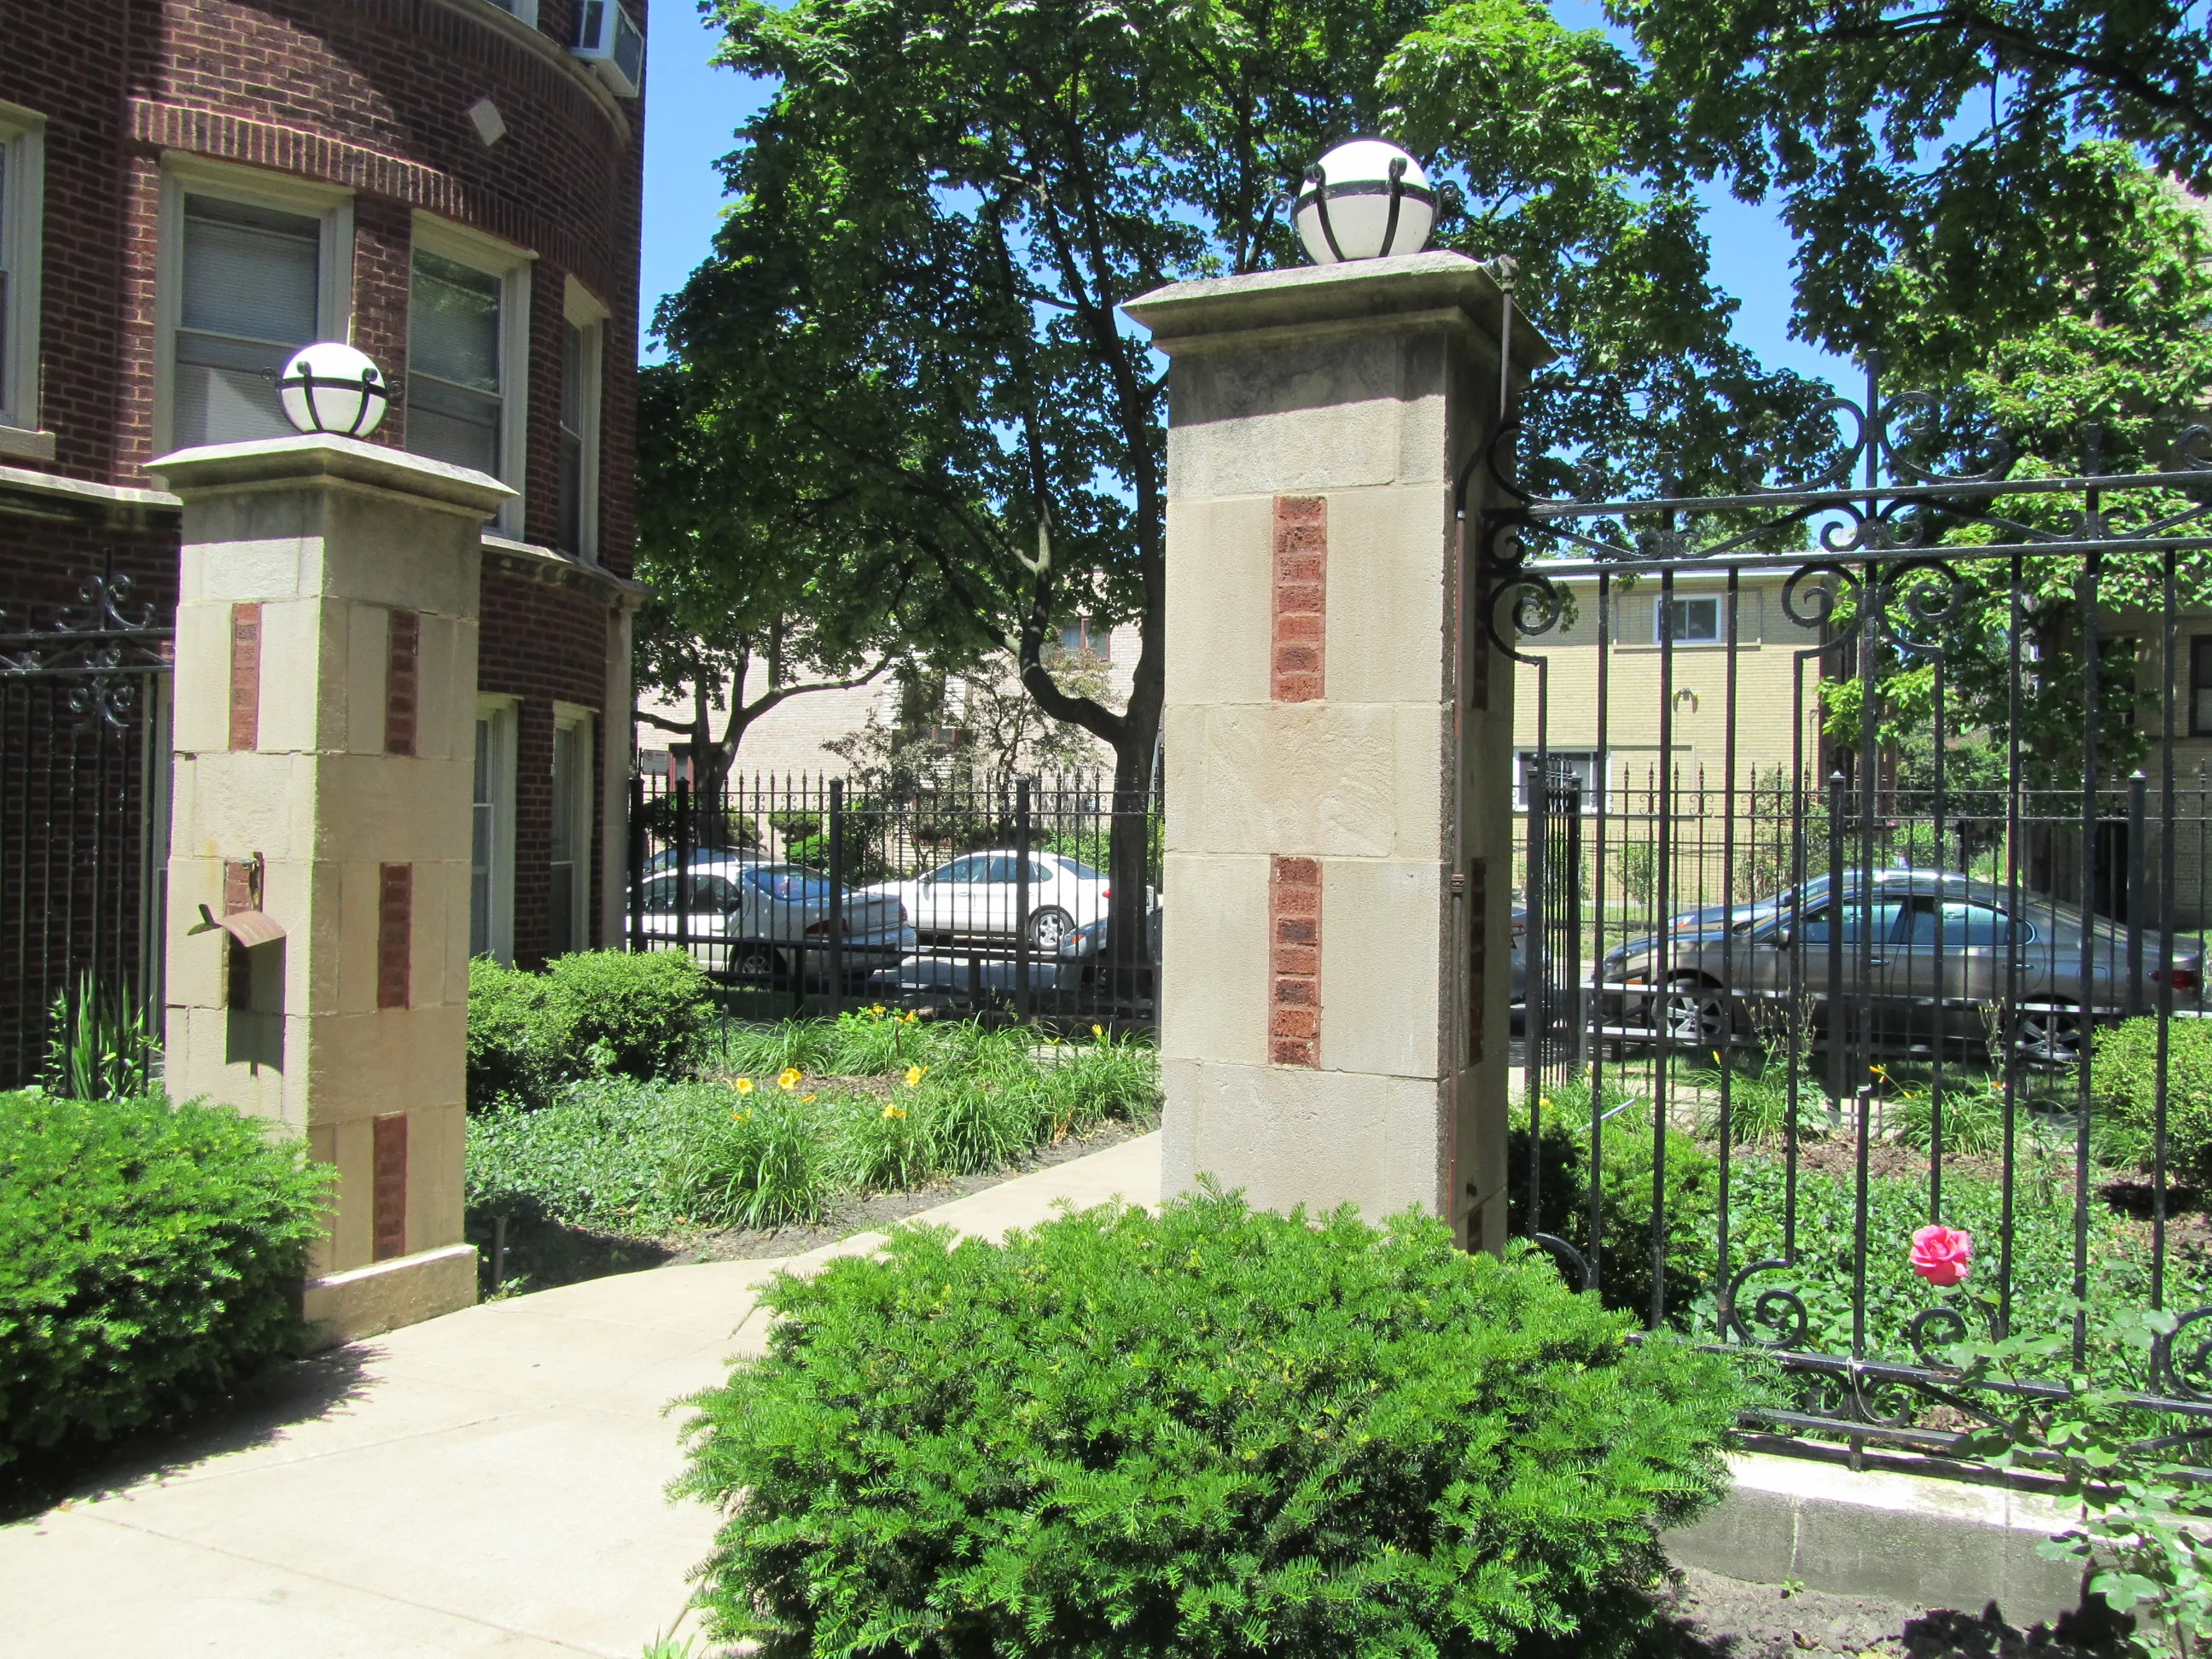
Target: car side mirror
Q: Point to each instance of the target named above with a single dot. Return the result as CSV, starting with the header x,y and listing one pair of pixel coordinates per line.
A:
x,y
1780,939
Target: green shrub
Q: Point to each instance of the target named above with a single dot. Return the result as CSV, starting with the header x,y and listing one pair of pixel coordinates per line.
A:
x,y
149,1255
2124,1069
651,1009
1208,1432
518,1037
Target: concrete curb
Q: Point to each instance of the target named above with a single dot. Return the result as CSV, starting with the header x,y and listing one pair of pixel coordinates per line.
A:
x,y
1918,1539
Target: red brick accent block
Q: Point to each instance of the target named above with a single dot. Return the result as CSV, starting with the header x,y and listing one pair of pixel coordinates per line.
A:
x,y
1294,962
388,1187
404,649
395,920
245,677
1301,581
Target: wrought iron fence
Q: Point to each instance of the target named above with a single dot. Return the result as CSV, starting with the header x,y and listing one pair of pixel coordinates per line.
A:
x,y
84,767
804,894
1865,889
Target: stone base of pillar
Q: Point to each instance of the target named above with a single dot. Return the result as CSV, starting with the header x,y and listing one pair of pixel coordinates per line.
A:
x,y
405,1290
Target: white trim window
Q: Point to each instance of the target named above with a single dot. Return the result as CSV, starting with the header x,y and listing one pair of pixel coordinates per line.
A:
x,y
468,355
568,904
491,841
22,209
583,338
1579,766
1699,618
253,267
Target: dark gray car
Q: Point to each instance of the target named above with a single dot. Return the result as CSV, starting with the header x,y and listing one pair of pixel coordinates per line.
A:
x,y
1910,942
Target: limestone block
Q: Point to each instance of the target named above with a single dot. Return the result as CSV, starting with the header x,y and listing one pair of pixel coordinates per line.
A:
x,y
200,688
1290,1136
368,662
192,966
1215,999
353,1143
389,1060
1421,736
205,1055
1389,626
1329,411
392,809
1381,967
233,804
1320,779
345,1307
391,551
298,668
439,960
1220,574
348,899
445,689
436,1151
253,547
322,1148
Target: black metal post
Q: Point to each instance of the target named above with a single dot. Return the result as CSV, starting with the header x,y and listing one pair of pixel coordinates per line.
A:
x,y
2138,786
836,896
637,863
682,864
1021,900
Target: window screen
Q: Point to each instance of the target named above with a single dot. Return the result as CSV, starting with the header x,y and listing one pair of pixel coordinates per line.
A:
x,y
251,277
1696,621
454,397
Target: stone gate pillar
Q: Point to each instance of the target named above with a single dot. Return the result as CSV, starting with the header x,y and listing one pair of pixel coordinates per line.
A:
x,y
320,843
1339,740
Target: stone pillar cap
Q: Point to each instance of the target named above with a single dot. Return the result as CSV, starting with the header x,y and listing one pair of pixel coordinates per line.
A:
x,y
324,457
1404,286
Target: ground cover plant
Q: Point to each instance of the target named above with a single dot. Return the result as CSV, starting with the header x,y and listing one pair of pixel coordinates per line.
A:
x,y
1210,1432
792,1118
150,1254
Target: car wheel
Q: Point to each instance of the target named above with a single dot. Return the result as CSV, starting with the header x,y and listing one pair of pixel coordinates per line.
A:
x,y
1049,926
1694,1015
2051,1037
755,962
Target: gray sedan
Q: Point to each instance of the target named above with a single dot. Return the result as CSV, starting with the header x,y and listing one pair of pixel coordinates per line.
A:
x,y
1910,942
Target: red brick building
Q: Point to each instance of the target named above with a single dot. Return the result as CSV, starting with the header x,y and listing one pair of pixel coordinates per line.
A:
x,y
189,191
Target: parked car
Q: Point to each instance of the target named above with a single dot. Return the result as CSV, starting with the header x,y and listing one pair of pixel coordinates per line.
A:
x,y
1080,950
1936,940
755,920
978,895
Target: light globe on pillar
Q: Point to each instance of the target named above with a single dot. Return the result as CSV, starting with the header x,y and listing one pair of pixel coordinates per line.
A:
x,y
1365,199
331,387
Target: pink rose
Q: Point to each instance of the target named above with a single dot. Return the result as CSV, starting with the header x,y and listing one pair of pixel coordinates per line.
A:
x,y
1941,1255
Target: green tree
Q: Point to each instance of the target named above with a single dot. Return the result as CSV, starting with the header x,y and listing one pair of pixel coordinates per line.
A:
x,y
1950,134
911,310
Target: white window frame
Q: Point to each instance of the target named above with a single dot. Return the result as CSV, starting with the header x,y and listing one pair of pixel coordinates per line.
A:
x,y
1660,601
512,266
582,312
1524,761
185,175
504,714
22,255
573,717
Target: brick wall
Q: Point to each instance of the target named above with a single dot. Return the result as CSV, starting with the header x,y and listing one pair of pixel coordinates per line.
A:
x,y
548,645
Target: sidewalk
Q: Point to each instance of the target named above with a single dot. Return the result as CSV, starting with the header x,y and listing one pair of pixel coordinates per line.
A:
x,y
489,1483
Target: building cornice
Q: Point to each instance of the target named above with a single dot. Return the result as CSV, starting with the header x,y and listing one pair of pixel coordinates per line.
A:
x,y
543,564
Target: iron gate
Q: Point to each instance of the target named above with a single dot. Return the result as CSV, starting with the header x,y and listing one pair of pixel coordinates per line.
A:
x,y
84,768
1866,886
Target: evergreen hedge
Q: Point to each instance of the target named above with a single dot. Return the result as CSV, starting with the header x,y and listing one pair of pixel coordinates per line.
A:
x,y
150,1258
1210,1432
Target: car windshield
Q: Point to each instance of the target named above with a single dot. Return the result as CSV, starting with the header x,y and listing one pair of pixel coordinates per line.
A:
x,y
788,885
1080,870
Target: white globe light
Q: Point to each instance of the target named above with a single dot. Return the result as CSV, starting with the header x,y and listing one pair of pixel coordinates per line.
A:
x,y
1363,200
331,387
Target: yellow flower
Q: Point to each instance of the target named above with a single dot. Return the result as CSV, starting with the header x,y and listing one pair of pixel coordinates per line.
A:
x,y
909,1016
878,1011
1051,1042
743,1086
1098,1030
739,1117
788,1078
913,1075
806,1100
894,1111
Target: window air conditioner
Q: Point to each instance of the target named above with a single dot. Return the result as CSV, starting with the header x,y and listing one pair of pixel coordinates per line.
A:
x,y
612,44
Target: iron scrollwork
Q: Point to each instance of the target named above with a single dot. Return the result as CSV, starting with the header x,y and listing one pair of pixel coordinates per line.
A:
x,y
103,646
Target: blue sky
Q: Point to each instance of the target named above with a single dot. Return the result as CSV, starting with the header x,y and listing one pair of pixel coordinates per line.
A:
x,y
694,109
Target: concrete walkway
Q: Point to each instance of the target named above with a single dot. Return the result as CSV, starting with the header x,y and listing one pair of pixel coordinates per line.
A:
x,y
489,1483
